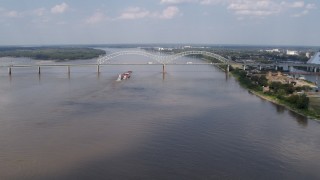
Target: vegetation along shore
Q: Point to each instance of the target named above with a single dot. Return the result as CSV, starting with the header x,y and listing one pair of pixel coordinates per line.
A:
x,y
51,53
288,93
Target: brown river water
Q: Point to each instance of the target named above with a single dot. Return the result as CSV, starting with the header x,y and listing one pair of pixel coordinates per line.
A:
x,y
196,122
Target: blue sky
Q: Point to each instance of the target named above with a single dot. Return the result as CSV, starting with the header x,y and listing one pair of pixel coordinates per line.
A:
x,y
251,22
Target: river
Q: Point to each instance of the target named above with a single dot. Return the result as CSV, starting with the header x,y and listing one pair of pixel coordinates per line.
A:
x,y
195,122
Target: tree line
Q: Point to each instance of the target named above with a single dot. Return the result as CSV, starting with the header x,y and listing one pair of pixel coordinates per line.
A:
x,y
284,92
51,53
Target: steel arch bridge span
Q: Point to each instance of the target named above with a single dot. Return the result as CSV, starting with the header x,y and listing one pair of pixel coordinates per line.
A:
x,y
162,59
108,57
171,58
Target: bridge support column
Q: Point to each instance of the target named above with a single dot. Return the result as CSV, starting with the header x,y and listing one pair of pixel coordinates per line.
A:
x,y
9,70
68,69
39,70
163,68
98,68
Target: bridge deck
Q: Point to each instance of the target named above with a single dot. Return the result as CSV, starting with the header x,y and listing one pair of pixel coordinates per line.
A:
x,y
74,65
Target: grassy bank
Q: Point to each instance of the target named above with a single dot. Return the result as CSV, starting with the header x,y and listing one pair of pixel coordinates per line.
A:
x,y
305,112
281,94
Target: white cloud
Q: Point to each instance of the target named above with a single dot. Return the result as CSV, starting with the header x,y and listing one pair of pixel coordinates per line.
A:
x,y
176,1
169,13
263,8
134,13
97,17
303,13
297,4
311,6
12,14
60,8
212,2
139,13
39,12
258,8
204,2
306,8
9,14
252,8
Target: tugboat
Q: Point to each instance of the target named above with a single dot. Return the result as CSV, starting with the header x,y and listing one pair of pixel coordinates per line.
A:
x,y
124,76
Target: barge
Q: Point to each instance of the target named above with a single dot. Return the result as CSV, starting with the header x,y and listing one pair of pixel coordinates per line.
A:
x,y
125,75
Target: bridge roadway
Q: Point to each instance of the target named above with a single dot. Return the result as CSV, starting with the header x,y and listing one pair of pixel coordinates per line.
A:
x,y
314,68
39,66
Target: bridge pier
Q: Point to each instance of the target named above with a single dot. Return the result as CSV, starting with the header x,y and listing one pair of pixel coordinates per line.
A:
x,y
163,68
9,70
39,70
98,69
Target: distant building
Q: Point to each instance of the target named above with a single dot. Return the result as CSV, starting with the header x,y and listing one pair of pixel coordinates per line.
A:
x,y
308,55
315,59
292,53
273,50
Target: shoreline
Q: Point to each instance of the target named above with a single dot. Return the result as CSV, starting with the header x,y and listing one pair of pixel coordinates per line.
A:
x,y
277,102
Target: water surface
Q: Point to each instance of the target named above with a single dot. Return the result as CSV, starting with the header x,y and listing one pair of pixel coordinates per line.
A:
x,y
194,123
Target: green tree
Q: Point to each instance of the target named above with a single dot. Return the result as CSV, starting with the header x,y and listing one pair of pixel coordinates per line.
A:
x,y
275,86
281,93
303,102
263,81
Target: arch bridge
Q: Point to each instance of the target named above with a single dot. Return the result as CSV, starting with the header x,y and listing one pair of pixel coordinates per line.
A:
x,y
162,59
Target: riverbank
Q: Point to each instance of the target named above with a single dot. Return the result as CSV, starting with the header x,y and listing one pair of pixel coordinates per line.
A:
x,y
307,113
272,98
52,53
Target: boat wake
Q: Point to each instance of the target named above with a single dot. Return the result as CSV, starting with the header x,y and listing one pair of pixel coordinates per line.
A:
x,y
124,76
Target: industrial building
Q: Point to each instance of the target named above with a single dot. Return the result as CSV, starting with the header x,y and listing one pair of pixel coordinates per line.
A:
x,y
292,53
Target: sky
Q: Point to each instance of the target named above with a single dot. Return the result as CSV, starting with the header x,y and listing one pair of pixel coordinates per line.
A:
x,y
245,22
